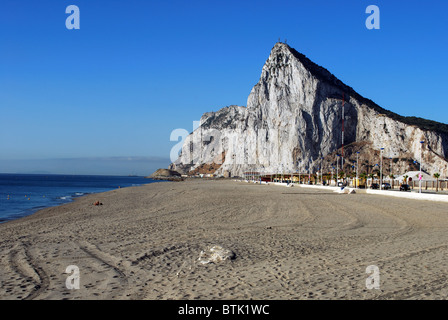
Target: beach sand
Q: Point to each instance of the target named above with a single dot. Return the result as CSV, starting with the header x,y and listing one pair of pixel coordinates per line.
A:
x,y
289,243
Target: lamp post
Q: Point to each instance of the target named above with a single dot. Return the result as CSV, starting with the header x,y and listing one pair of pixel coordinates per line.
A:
x,y
391,174
321,171
332,171
413,182
292,172
337,169
357,170
233,160
376,165
420,176
381,169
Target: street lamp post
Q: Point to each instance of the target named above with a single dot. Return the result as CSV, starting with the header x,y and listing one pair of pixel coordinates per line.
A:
x,y
233,160
391,174
357,169
420,177
381,169
354,171
321,171
337,169
332,171
292,172
375,166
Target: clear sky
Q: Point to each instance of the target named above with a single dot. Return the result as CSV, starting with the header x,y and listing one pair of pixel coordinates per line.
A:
x,y
105,98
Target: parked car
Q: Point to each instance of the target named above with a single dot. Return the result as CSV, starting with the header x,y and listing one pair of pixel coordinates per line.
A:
x,y
375,186
385,186
405,187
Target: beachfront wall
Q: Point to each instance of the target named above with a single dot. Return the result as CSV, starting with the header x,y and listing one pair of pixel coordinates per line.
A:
x,y
395,184
306,178
430,185
279,177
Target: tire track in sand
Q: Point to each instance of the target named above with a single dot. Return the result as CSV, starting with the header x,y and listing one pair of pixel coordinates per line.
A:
x,y
24,264
110,262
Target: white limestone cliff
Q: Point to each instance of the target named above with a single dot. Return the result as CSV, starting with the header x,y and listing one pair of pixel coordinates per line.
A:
x,y
293,119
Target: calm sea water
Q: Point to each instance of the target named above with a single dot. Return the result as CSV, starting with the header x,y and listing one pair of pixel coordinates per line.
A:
x,y
24,194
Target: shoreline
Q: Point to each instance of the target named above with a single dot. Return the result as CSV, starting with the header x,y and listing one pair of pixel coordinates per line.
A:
x,y
288,243
59,199
74,199
31,211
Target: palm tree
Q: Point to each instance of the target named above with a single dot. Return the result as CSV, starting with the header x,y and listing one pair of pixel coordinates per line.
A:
x,y
363,176
392,177
405,179
437,176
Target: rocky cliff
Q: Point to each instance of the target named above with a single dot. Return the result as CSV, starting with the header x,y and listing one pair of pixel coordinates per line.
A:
x,y
293,121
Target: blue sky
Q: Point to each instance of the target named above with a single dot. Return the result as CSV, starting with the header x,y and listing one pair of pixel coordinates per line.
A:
x,y
136,70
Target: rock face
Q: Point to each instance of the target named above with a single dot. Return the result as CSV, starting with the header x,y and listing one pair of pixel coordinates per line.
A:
x,y
293,122
165,174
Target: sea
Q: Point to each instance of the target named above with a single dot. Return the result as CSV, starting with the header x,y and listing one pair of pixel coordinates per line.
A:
x,y
24,194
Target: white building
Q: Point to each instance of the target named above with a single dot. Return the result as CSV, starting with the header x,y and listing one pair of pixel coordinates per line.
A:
x,y
414,176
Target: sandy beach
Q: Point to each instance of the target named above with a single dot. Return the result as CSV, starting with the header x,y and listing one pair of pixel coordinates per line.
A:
x,y
289,243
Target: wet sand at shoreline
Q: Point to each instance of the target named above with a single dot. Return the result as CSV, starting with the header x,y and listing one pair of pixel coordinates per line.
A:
x,y
289,243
